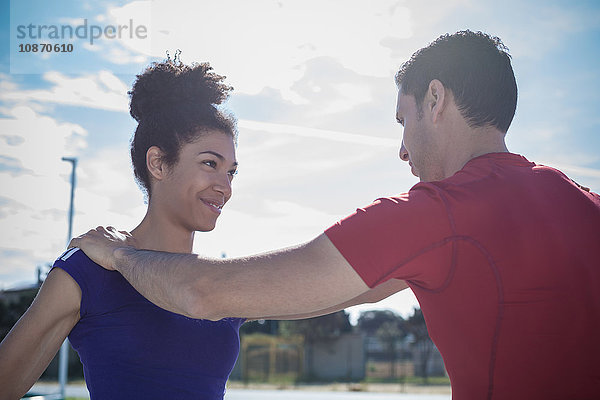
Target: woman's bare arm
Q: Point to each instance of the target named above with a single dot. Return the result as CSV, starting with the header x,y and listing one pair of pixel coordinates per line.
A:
x,y
34,340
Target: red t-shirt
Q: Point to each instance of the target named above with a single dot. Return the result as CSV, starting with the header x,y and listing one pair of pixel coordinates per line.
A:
x,y
504,258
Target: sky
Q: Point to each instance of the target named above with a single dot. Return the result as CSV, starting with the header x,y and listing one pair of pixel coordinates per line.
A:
x,y
314,97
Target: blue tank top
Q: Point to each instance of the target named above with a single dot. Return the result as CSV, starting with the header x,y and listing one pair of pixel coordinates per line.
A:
x,y
132,349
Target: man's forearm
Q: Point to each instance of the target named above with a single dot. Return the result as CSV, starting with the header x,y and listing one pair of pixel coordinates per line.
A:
x,y
301,279
297,280
163,278
374,295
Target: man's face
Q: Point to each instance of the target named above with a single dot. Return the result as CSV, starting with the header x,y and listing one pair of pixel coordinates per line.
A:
x,y
416,136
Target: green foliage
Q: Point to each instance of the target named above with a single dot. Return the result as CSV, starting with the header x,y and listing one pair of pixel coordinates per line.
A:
x,y
418,329
371,321
317,329
416,326
11,312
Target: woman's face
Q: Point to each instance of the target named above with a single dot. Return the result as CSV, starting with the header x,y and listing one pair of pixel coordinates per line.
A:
x,y
196,188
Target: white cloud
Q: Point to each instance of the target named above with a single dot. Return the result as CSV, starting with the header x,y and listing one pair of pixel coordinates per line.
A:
x,y
266,43
241,232
107,194
351,95
323,134
402,303
122,56
74,22
103,90
37,140
134,26
35,190
35,194
130,33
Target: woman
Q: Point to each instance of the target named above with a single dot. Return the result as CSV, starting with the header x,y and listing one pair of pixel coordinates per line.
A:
x,y
183,156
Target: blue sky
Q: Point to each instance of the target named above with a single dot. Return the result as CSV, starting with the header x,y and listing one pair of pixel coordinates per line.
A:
x,y
314,95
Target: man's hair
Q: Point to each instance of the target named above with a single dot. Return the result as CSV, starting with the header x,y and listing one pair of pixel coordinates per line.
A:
x,y
475,67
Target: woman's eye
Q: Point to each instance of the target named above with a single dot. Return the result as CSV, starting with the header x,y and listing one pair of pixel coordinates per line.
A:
x,y
232,173
210,163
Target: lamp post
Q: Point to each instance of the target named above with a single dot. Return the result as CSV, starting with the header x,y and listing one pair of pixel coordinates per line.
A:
x,y
63,359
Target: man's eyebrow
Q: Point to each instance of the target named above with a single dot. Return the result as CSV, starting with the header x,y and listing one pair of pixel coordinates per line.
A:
x,y
219,156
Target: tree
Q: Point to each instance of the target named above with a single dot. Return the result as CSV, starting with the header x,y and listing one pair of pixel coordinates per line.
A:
x,y
317,329
370,321
421,341
389,328
11,312
389,333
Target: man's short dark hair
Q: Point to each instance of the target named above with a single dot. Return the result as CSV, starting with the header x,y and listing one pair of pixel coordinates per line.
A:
x,y
475,67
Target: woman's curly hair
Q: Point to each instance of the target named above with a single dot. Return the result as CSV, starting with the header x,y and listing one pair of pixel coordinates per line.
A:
x,y
174,104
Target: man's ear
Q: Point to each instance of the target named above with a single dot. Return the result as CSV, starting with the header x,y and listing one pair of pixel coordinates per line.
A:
x,y
155,163
436,99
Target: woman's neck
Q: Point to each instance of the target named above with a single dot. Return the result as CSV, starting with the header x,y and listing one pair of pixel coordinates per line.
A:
x,y
155,234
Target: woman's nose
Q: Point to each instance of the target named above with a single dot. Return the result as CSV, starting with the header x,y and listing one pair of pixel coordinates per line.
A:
x,y
223,185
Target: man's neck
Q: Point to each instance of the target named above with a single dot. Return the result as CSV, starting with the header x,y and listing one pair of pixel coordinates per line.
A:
x,y
477,142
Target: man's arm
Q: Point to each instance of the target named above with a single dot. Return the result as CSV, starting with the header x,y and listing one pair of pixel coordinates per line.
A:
x,y
374,295
303,279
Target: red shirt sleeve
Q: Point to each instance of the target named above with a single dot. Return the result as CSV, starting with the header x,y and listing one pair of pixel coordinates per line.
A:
x,y
405,237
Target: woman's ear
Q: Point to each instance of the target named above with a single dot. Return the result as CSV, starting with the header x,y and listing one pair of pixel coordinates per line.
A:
x,y
435,99
155,163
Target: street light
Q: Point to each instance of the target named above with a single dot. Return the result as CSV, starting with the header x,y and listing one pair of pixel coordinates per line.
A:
x,y
63,359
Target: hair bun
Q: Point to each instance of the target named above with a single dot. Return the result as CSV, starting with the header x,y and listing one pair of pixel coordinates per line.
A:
x,y
165,87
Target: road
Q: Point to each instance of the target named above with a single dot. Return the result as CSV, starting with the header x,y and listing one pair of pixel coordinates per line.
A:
x,y
251,394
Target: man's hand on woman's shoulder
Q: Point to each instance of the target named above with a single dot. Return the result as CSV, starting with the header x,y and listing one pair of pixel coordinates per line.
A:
x,y
100,245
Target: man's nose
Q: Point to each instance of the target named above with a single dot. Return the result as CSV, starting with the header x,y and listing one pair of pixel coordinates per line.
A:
x,y
403,152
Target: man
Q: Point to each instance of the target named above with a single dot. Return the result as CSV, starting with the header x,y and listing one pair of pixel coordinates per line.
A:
x,y
502,254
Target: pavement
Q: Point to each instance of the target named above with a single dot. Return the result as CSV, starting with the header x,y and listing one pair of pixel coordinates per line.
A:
x,y
72,390
237,389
